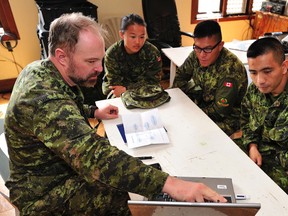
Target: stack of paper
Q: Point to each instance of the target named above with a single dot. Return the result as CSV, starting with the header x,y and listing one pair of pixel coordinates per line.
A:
x,y
239,45
144,128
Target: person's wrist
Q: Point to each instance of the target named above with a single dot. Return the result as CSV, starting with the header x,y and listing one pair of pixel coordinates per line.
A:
x,y
169,183
253,147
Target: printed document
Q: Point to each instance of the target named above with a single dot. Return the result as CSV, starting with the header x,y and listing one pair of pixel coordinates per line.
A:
x,y
144,128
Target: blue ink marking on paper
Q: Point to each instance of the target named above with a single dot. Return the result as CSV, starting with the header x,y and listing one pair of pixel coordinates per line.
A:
x,y
154,120
146,125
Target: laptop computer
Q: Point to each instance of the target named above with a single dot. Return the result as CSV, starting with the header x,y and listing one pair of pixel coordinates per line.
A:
x,y
224,186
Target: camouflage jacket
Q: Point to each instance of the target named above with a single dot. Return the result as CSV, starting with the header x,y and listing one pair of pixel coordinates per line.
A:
x,y
217,89
264,121
51,143
125,69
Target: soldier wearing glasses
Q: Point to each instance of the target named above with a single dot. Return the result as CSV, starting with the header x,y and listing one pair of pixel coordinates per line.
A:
x,y
213,77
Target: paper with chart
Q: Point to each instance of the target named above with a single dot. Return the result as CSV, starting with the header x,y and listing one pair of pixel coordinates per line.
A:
x,y
144,128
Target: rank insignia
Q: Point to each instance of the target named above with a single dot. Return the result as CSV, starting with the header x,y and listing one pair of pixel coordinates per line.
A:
x,y
277,103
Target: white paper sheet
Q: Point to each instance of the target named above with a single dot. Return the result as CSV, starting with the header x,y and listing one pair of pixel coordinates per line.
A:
x,y
144,128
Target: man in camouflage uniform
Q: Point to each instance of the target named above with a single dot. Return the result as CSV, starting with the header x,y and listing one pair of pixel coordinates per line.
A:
x,y
265,109
59,165
132,59
213,77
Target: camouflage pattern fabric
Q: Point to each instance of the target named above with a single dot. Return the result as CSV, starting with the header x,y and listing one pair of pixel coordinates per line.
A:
x,y
264,121
144,96
217,89
124,69
59,165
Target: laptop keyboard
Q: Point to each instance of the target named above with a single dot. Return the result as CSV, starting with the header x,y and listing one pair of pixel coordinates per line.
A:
x,y
165,197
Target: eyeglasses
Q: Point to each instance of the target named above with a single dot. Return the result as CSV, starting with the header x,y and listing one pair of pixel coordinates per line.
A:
x,y
205,50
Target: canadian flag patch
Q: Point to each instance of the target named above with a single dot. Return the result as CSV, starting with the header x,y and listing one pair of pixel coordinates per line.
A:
x,y
228,84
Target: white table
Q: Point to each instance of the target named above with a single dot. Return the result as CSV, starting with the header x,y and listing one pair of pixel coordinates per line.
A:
x,y
199,148
178,55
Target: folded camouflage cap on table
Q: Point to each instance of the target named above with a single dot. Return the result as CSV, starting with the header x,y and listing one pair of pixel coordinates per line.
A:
x,y
144,96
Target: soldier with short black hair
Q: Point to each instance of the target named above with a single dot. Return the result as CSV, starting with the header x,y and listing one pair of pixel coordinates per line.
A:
x,y
59,165
265,109
213,77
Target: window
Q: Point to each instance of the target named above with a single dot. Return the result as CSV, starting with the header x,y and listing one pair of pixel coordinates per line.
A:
x,y
7,23
223,9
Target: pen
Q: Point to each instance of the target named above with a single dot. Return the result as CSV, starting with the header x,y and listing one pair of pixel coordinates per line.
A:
x,y
165,129
145,157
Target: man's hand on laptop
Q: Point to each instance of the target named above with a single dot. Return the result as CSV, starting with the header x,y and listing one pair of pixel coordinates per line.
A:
x,y
181,190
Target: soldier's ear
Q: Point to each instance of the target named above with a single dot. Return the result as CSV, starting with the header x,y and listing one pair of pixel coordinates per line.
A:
x,y
221,45
121,34
61,56
285,66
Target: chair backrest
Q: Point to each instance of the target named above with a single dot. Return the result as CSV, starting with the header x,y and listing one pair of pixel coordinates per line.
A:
x,y
162,21
112,25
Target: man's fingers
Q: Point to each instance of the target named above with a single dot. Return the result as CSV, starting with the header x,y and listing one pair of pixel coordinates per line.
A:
x,y
216,198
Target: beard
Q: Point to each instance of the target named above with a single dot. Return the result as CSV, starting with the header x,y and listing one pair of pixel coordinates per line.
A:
x,y
82,81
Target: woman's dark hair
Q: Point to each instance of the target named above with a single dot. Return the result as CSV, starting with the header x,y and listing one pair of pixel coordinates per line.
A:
x,y
131,19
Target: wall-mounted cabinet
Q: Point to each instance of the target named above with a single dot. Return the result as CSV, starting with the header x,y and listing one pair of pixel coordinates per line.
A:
x,y
269,22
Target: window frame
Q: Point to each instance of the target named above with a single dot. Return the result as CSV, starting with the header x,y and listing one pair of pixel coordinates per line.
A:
x,y
224,17
7,21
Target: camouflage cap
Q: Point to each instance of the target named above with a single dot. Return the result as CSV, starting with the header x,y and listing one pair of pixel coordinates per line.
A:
x,y
145,96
